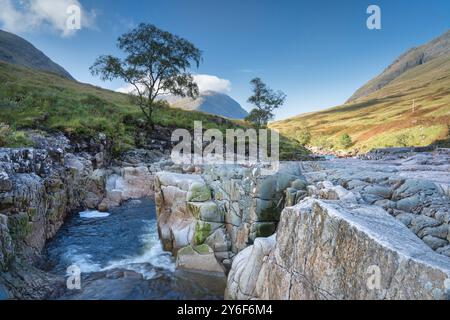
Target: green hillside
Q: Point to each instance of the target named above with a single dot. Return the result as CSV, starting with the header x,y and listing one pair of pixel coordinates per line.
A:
x,y
31,99
413,109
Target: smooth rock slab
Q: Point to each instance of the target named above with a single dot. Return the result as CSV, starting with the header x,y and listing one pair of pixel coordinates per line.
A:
x,y
200,258
333,250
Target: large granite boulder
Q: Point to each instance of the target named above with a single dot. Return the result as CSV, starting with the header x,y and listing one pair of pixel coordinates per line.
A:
x,y
224,206
339,250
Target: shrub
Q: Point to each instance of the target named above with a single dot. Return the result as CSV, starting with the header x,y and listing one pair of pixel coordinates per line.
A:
x,y
403,139
303,136
323,143
346,141
5,133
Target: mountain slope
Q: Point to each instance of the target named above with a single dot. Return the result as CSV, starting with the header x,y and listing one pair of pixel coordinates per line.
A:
x,y
409,60
18,51
211,102
412,109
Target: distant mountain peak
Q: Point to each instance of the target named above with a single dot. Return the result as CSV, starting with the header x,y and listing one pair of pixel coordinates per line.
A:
x,y
412,58
212,102
16,50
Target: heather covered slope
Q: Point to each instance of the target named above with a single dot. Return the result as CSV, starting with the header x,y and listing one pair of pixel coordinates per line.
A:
x,y
412,58
412,109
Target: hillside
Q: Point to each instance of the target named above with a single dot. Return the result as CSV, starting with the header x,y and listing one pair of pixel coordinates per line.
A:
x,y
211,102
412,109
412,58
30,99
18,51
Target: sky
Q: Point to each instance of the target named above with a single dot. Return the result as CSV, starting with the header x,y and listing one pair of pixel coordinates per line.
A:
x,y
317,52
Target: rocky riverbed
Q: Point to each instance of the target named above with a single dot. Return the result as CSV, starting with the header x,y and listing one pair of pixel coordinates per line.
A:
x,y
312,230
316,230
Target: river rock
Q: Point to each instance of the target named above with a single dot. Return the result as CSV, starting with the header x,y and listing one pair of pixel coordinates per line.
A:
x,y
236,200
200,258
333,250
198,192
5,182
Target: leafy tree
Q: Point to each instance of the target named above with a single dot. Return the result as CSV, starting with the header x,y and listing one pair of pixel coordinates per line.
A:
x,y
346,141
157,62
266,101
403,139
303,136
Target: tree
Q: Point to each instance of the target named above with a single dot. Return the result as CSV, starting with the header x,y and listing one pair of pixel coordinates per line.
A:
x,y
157,62
403,139
266,101
303,136
346,141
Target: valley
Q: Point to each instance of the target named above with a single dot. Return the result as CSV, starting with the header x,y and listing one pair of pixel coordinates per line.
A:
x,y
358,208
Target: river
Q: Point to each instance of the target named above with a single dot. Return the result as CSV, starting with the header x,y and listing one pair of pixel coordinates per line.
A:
x,y
120,257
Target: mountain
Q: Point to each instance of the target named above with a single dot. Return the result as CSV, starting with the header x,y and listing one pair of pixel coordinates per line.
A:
x,y
210,102
407,104
407,61
18,51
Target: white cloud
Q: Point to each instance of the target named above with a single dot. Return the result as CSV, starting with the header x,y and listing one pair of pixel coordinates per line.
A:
x,y
205,82
29,15
208,82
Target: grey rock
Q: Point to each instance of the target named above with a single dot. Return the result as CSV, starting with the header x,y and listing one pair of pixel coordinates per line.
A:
x,y
406,218
434,242
306,260
380,191
420,222
438,232
408,204
199,258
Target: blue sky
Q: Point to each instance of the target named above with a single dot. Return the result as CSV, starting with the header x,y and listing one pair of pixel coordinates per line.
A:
x,y
317,52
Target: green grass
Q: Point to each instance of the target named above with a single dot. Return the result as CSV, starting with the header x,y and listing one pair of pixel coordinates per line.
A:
x,y
31,99
377,120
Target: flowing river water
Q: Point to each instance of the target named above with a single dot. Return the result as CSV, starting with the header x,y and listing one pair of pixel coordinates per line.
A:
x,y
120,257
